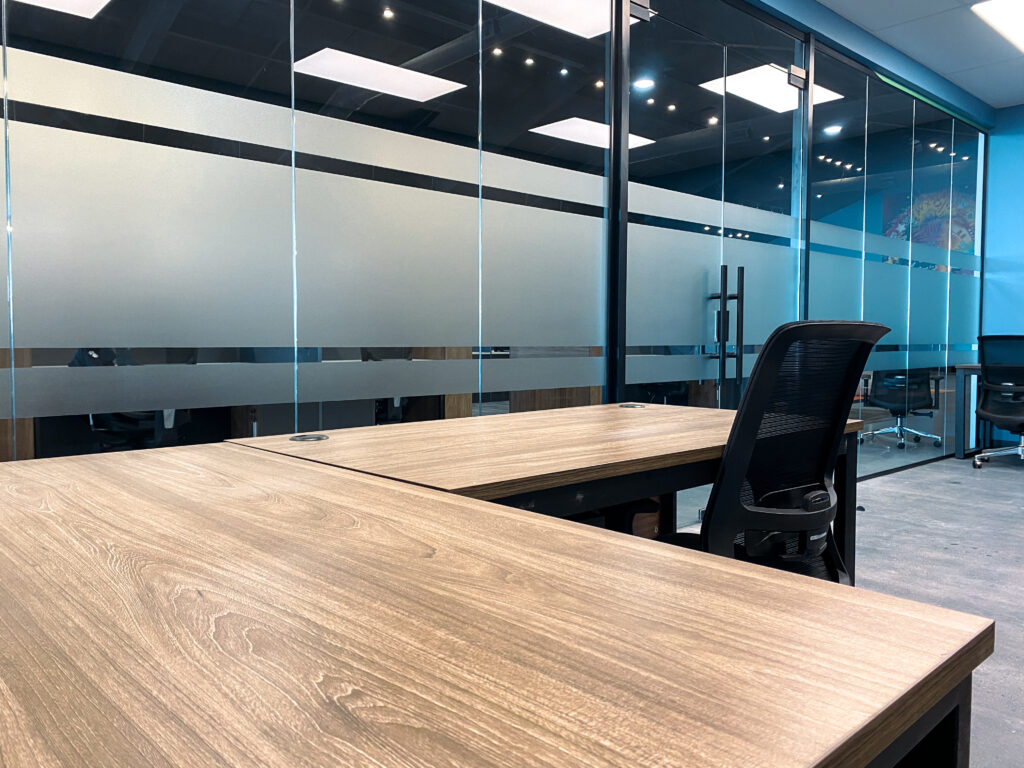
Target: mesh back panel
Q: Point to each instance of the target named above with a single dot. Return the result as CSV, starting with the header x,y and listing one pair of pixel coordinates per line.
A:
x,y
901,391
1002,364
797,428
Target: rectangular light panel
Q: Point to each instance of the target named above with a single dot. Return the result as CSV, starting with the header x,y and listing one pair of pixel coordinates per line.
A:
x,y
84,8
373,75
768,86
1004,16
586,132
586,18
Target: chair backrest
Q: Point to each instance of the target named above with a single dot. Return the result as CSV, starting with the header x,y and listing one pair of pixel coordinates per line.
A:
x,y
1002,381
776,472
901,391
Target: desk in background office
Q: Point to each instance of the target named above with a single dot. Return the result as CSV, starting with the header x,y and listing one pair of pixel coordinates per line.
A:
x,y
561,462
215,605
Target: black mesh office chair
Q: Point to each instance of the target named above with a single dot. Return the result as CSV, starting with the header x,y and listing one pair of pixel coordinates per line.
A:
x,y
903,393
773,502
1002,384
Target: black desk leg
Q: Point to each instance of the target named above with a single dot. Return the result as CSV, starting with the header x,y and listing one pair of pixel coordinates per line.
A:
x,y
940,739
960,415
668,522
844,529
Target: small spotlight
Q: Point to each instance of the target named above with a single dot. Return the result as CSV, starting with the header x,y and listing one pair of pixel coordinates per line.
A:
x,y
563,72
388,13
839,162
730,234
781,185
713,120
747,236
644,84
529,61
650,102
828,159
859,170
497,51
933,145
719,231
599,84
965,157
707,229
940,149
848,166
833,130
671,107
821,157
819,197
766,138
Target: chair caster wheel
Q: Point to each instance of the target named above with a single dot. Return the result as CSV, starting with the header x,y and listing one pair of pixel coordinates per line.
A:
x,y
977,463
917,438
937,443
860,440
901,445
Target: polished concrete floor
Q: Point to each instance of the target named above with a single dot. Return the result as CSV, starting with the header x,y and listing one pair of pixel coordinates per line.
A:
x,y
951,535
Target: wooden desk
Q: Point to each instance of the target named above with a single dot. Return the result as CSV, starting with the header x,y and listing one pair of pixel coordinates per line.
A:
x,y
560,462
217,606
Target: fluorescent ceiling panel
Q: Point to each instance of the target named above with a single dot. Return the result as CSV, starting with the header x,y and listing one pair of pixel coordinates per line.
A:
x,y
84,8
1004,16
586,18
586,132
768,86
374,75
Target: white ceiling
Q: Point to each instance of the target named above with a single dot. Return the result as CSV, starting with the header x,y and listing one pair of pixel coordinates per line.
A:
x,y
947,37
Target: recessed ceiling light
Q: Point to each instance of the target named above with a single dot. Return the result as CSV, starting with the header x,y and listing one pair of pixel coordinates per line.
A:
x,y
821,157
849,166
767,86
933,145
563,72
643,84
373,75
497,51
747,236
713,120
650,102
585,18
586,132
529,61
671,107
85,8
766,138
828,159
388,13
833,130
859,170
940,149
781,185
707,229
839,162
599,84
1004,16
965,157
819,197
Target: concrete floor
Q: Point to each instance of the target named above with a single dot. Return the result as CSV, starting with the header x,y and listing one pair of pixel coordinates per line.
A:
x,y
951,535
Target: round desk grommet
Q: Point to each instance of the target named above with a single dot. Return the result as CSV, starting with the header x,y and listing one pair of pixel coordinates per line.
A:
x,y
308,438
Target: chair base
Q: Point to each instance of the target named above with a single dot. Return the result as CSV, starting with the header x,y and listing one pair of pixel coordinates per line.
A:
x,y
901,430
1017,450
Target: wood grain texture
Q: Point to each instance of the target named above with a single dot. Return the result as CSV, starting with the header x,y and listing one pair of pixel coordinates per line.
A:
x,y
491,457
219,606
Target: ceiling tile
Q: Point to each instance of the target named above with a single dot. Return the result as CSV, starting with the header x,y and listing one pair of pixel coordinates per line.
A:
x,y
879,14
1000,84
949,42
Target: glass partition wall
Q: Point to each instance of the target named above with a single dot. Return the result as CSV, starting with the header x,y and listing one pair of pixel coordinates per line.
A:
x,y
894,211
248,218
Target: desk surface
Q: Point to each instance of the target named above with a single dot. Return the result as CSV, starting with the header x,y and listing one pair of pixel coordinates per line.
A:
x,y
219,606
490,457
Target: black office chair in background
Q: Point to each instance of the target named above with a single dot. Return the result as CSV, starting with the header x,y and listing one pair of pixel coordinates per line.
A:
x,y
1002,383
773,502
903,393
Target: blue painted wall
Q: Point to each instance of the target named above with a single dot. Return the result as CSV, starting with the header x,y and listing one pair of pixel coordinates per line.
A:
x,y
848,38
1004,246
